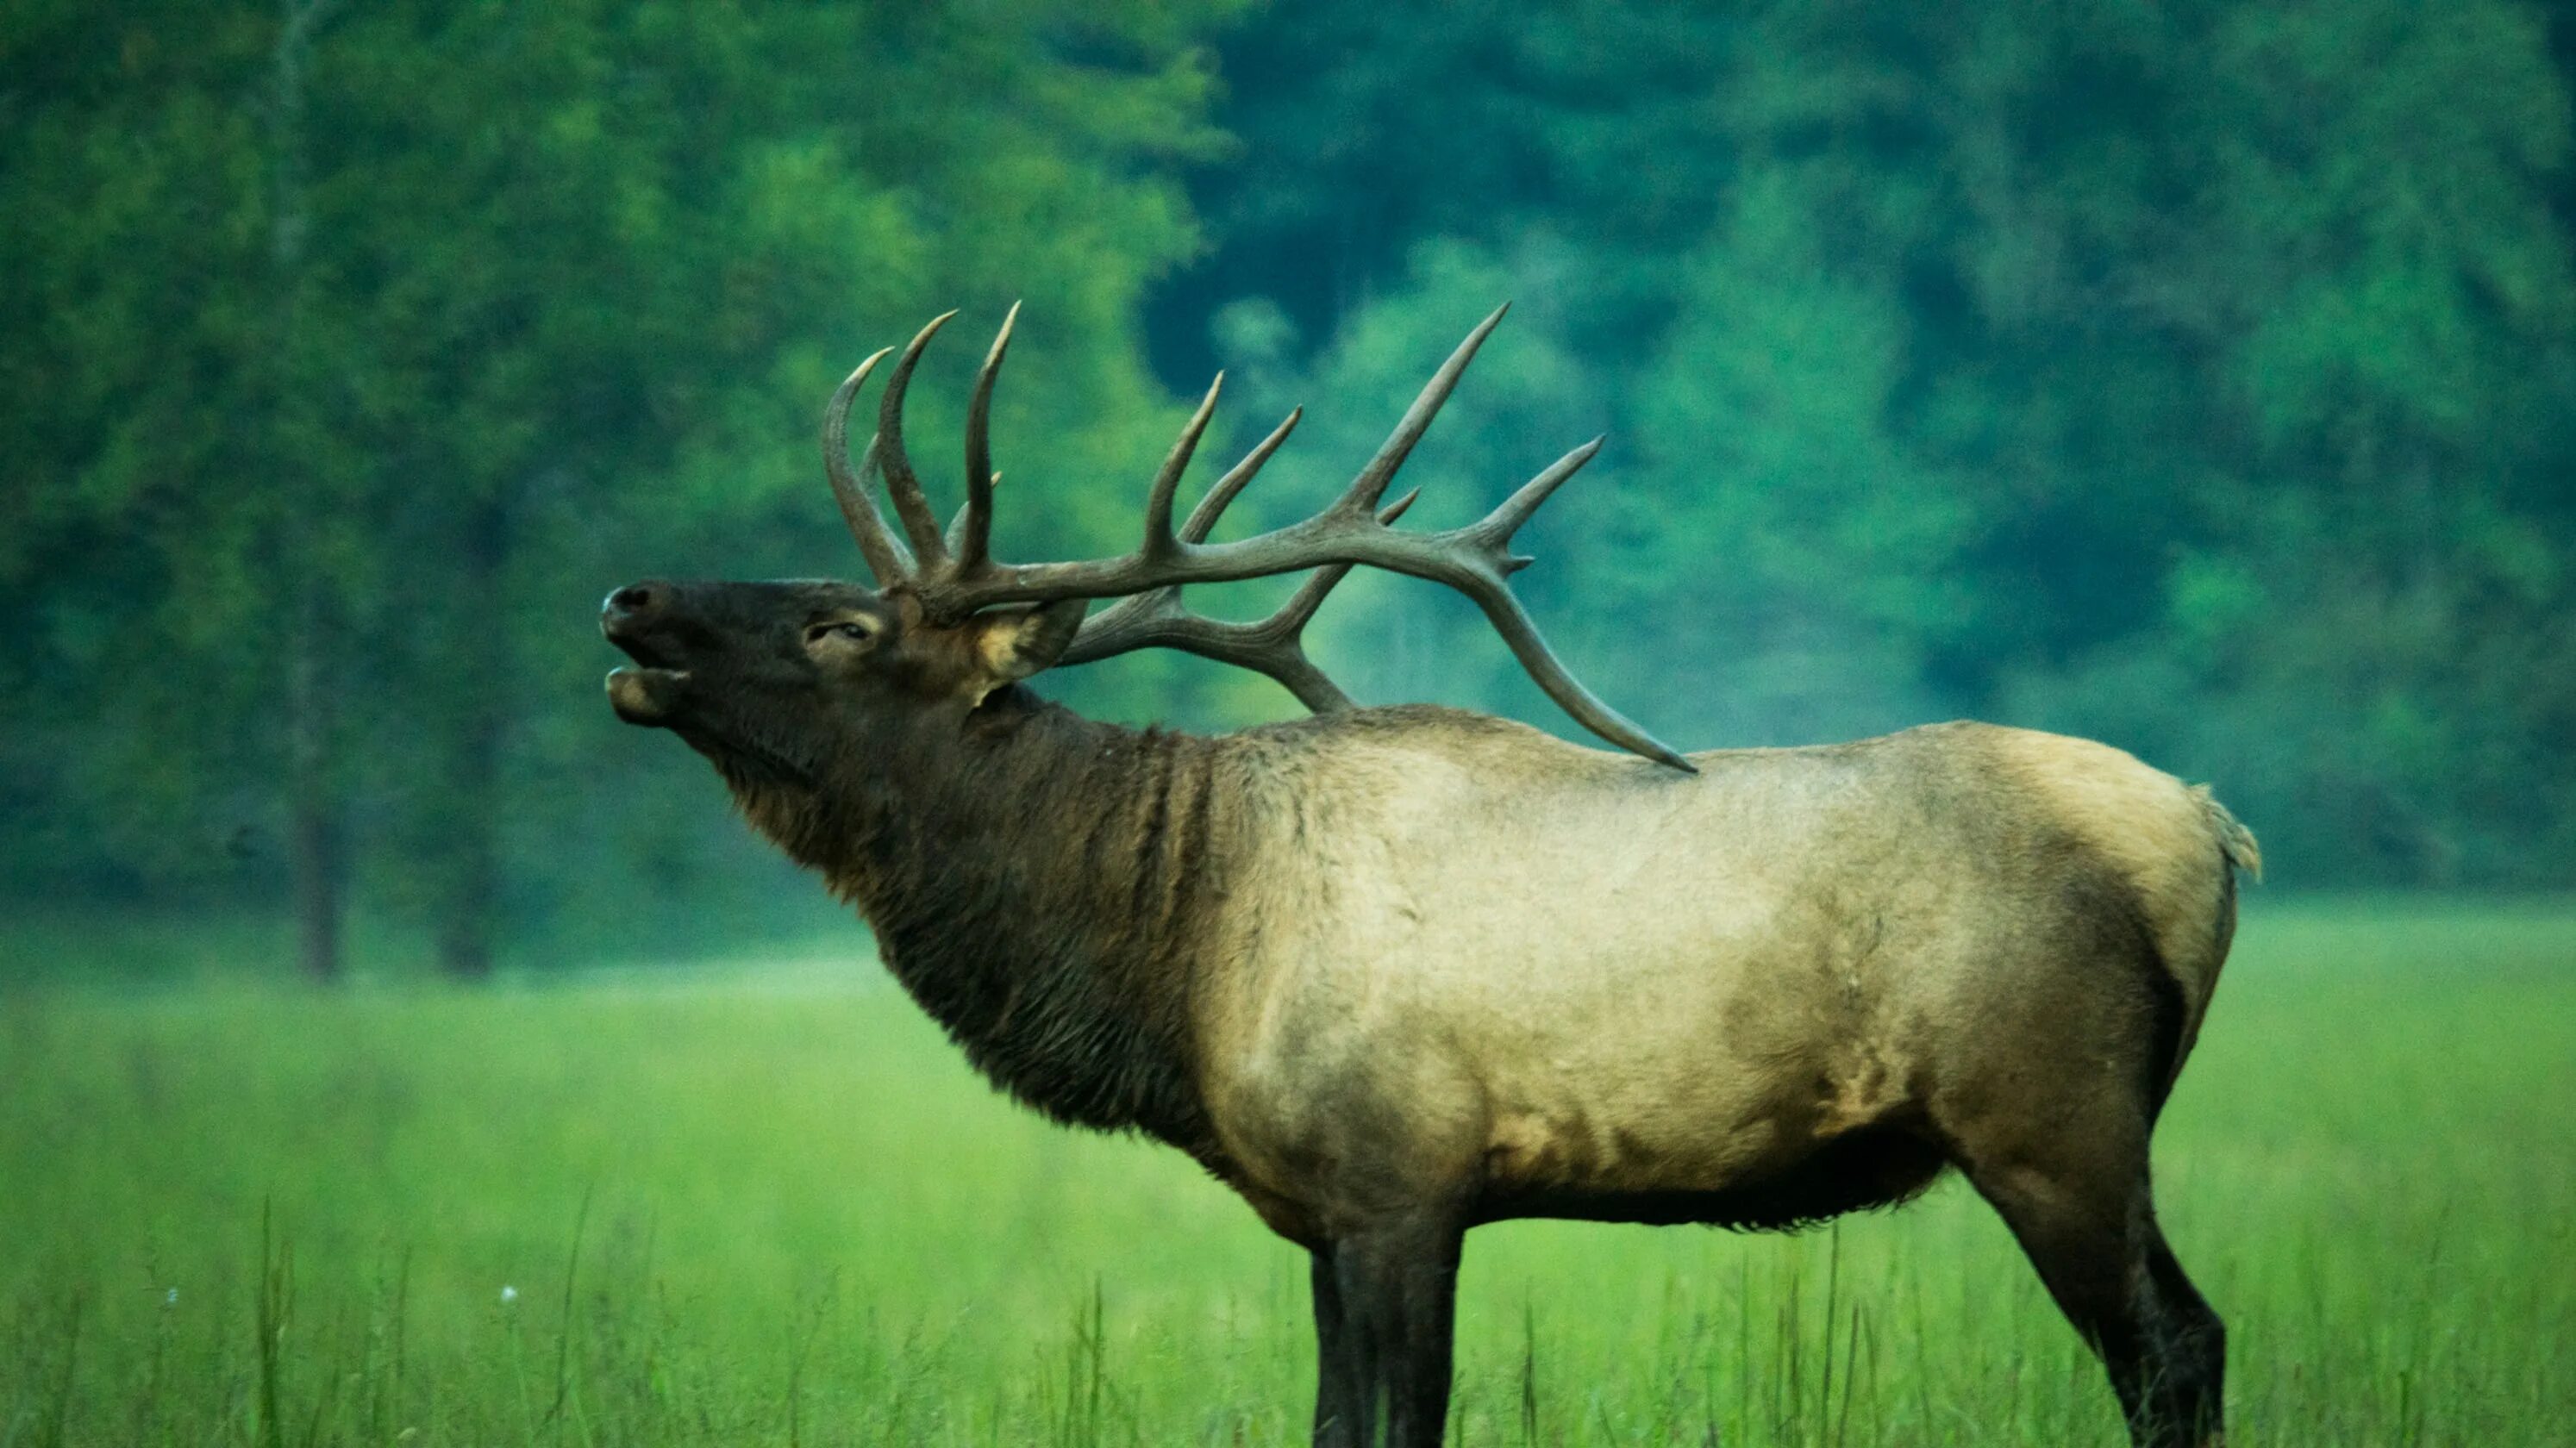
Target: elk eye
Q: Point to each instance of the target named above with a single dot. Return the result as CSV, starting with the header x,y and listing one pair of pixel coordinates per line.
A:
x,y
857,633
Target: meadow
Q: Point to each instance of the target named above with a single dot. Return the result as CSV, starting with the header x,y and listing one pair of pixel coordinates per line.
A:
x,y
765,1203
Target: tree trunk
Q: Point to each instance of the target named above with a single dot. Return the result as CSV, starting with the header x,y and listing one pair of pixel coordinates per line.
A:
x,y
469,915
469,907
317,846
317,842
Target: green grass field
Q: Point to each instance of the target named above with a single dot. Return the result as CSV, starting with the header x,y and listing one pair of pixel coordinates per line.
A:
x,y
771,1205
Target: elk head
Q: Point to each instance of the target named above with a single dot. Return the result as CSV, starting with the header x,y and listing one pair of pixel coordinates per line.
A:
x,y
793,685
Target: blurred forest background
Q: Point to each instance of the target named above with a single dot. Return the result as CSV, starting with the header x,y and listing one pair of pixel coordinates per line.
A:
x,y
2196,376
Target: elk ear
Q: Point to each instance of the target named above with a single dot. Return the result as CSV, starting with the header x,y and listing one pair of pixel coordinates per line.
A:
x,y
1013,643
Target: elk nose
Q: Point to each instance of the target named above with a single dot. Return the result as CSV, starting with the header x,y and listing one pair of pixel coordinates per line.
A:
x,y
635,604
636,599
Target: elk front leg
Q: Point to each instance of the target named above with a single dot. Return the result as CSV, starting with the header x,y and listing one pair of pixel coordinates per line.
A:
x,y
1385,1306
1337,1394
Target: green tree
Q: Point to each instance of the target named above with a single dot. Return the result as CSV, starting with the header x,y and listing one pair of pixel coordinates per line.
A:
x,y
2193,376
498,308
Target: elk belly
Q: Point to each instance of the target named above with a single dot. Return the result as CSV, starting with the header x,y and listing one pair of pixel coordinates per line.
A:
x,y
1818,1137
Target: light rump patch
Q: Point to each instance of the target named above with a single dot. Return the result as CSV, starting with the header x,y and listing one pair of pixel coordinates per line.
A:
x,y
2173,844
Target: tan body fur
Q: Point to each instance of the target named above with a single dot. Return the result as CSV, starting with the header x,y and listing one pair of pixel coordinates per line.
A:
x,y
1468,958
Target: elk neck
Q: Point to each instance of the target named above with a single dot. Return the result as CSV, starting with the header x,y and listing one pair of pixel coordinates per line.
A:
x,y
1043,884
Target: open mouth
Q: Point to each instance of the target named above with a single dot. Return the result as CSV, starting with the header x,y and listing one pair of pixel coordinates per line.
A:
x,y
658,691
651,690
646,695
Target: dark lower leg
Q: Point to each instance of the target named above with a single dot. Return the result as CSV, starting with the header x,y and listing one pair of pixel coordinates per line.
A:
x,y
2097,1248
1337,1373
1398,1291
2189,1345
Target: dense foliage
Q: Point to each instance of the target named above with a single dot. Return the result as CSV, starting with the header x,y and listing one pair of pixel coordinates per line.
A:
x,y
354,357
2195,376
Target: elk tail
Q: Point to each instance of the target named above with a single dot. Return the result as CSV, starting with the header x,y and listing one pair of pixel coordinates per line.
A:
x,y
2237,850
2235,842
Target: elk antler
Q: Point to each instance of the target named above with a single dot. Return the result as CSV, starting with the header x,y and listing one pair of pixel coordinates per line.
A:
x,y
952,582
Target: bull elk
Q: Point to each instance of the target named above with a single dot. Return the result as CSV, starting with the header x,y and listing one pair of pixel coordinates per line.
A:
x,y
1391,973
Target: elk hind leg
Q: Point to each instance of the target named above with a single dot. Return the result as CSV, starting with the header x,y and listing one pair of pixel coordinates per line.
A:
x,y
2090,1230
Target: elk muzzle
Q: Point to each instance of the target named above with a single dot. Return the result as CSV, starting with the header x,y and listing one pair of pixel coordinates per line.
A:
x,y
635,619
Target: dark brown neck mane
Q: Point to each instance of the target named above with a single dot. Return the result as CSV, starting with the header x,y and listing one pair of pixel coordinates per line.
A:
x,y
1041,885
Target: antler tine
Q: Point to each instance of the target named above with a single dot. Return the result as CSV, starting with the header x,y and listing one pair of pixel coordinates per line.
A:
x,y
1288,624
1120,628
1273,646
1202,519
1159,542
1513,622
1363,493
907,569
886,558
902,483
957,526
971,537
1482,543
1351,531
1497,527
